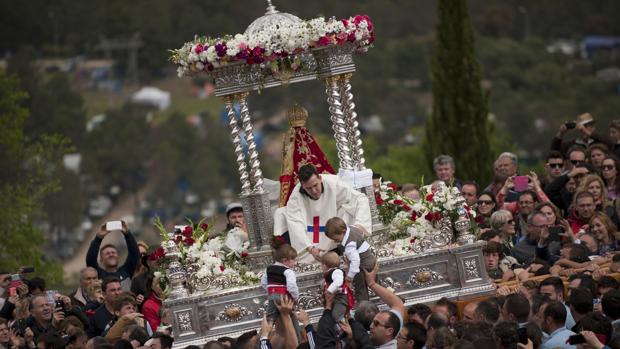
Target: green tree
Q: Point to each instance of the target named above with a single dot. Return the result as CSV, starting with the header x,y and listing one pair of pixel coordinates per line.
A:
x,y
459,123
26,178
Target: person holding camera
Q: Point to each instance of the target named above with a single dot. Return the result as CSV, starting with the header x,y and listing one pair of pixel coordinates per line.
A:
x,y
109,255
587,135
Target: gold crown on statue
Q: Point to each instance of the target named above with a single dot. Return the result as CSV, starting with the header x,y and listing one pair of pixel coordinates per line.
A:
x,y
297,116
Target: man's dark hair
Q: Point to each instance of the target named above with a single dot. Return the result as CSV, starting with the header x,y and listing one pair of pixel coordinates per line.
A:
x,y
137,333
213,345
244,340
365,312
585,281
611,304
436,320
530,193
109,280
492,247
123,300
556,311
106,246
472,331
452,308
575,147
597,323
554,154
489,234
417,333
473,183
227,339
376,175
534,333
554,281
122,344
306,172
393,322
581,300
164,340
506,334
105,345
607,281
36,283
517,305
421,309
52,340
489,310
579,254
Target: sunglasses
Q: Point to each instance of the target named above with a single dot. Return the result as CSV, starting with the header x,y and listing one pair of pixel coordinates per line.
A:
x,y
556,165
577,162
485,202
608,167
510,221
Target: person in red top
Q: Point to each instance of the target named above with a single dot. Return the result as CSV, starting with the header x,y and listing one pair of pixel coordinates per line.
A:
x,y
152,305
583,209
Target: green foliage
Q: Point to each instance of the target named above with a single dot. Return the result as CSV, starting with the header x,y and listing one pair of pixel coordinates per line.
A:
x,y
458,125
26,178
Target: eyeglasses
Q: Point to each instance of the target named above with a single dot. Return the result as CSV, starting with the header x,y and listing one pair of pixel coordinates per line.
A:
x,y
577,162
555,165
510,221
485,202
608,167
377,323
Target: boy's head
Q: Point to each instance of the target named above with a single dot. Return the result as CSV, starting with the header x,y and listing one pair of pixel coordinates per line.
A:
x,y
335,229
286,255
330,260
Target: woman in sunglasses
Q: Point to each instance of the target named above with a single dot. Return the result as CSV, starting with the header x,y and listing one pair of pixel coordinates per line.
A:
x,y
485,206
609,170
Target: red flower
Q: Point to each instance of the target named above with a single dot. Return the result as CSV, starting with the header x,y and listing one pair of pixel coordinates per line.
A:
x,y
157,254
345,22
178,238
429,217
351,37
188,241
479,219
204,226
412,240
378,199
430,196
188,231
393,186
437,216
199,48
324,41
406,208
414,216
398,202
222,268
244,254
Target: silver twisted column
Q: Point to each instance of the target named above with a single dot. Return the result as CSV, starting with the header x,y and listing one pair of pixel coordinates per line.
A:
x,y
338,123
236,140
350,117
255,171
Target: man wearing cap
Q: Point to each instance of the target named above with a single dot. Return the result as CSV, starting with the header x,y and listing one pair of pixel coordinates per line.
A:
x,y
585,125
313,201
235,217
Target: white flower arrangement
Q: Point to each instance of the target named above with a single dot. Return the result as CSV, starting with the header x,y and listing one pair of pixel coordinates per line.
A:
x,y
272,43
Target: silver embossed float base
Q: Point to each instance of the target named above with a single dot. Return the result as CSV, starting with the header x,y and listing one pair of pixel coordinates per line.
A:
x,y
457,273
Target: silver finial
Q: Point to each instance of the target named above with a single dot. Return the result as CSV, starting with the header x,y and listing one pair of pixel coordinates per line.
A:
x,y
270,8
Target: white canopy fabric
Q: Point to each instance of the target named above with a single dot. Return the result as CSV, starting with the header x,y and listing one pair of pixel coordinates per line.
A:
x,y
152,96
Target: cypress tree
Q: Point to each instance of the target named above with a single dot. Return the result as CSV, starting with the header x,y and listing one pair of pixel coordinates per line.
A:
x,y
459,123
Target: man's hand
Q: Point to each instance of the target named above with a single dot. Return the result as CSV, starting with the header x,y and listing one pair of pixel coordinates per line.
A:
x,y
561,131
534,181
133,317
576,171
529,345
303,317
586,131
348,281
544,236
125,229
346,328
265,327
371,275
29,336
102,232
140,298
286,305
59,315
591,339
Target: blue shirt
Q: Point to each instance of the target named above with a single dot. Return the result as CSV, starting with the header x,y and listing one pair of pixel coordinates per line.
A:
x,y
558,338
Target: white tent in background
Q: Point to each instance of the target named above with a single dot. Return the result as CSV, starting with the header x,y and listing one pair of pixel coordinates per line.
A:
x,y
152,96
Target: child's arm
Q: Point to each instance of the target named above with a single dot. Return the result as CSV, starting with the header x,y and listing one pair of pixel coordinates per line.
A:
x,y
291,283
337,280
354,259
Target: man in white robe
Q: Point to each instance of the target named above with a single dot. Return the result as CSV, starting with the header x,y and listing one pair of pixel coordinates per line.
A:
x,y
314,200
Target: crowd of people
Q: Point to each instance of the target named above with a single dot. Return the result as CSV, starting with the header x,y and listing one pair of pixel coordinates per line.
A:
x,y
551,248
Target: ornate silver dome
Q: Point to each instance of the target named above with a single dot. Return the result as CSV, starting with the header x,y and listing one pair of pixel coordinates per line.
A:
x,y
271,17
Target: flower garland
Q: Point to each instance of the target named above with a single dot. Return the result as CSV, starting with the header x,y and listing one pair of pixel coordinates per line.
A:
x,y
272,43
210,256
409,220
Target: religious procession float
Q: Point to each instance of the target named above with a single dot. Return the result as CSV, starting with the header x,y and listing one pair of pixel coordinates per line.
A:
x,y
426,249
